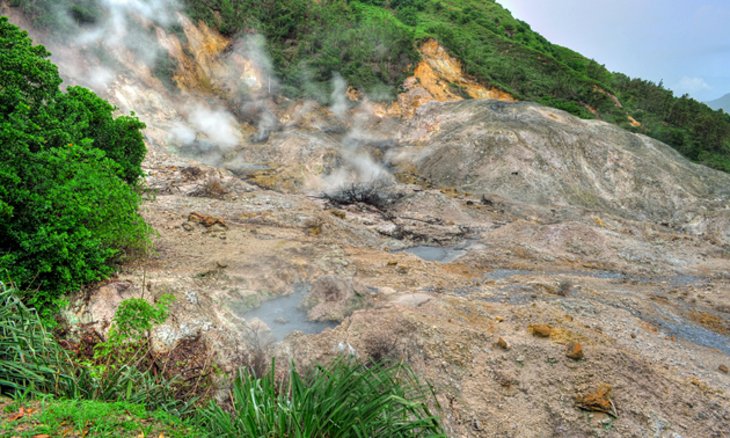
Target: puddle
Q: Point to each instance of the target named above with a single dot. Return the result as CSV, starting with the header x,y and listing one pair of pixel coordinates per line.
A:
x,y
441,254
284,315
501,274
435,253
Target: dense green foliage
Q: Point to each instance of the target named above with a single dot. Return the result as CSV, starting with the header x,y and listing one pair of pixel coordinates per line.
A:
x,y
77,394
309,41
68,176
346,399
58,15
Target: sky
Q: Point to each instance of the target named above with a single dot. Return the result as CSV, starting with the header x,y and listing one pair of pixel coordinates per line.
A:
x,y
684,43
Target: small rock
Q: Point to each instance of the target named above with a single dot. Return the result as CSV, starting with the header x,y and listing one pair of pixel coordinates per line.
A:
x,y
633,335
501,343
541,330
598,400
191,297
412,300
187,226
486,201
206,220
314,230
723,369
339,213
520,359
574,351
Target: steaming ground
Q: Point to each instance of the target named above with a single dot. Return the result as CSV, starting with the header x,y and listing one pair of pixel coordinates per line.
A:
x,y
610,239
223,96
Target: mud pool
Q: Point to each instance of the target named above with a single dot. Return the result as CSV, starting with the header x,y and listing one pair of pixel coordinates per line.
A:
x,y
285,315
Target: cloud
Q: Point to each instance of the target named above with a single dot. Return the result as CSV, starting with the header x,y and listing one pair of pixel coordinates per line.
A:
x,y
692,84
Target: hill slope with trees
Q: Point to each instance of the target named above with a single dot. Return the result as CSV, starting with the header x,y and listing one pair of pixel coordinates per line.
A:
x,y
372,44
318,38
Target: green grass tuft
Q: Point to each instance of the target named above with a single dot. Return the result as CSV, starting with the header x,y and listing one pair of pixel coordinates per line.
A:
x,y
344,399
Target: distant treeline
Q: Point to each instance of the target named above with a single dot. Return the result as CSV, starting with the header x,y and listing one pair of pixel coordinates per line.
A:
x,y
372,44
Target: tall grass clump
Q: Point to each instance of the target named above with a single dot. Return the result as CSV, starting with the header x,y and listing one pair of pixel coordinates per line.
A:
x,y
30,359
344,399
33,363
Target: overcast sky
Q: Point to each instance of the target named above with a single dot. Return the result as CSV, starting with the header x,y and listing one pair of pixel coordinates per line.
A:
x,y
685,43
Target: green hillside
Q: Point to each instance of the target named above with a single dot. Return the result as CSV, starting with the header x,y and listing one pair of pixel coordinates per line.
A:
x,y
372,44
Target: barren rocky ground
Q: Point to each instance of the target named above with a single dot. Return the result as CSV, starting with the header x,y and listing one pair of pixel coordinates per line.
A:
x,y
642,291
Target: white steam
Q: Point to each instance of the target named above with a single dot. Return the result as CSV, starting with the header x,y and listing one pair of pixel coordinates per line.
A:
x,y
360,167
117,55
216,125
339,105
260,81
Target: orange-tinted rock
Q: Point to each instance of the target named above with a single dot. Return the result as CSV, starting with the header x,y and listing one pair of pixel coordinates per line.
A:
x,y
501,343
541,330
574,351
206,220
598,400
723,369
440,77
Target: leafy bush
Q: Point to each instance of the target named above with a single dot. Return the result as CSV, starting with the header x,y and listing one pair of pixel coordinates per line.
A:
x,y
68,168
344,399
129,333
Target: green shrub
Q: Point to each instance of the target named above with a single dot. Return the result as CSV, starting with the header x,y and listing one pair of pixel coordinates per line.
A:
x,y
81,114
68,171
129,334
345,399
